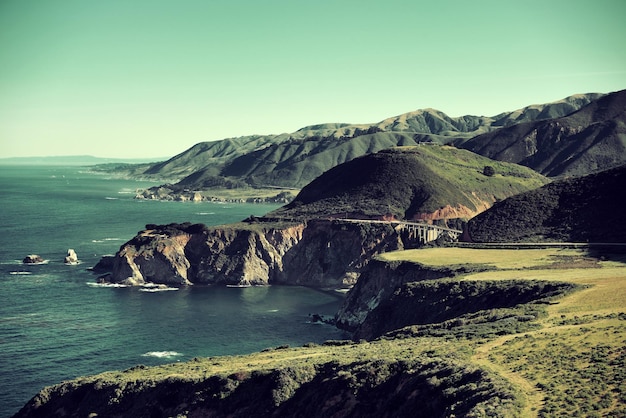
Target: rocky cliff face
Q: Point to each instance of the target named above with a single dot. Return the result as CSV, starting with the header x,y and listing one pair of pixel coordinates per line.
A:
x,y
317,253
390,296
377,284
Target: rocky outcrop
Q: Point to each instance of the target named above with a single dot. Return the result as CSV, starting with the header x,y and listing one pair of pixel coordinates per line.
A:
x,y
320,253
392,295
377,284
33,259
71,257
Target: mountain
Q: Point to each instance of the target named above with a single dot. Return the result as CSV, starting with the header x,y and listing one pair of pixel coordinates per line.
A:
x,y
590,139
419,182
583,209
295,159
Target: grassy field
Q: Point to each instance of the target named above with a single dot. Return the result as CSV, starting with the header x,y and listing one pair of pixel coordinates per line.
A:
x,y
575,364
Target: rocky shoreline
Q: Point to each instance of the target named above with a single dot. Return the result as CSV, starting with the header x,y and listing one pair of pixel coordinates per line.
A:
x,y
169,192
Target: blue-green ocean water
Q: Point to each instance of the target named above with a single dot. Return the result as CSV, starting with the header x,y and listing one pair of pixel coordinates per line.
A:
x,y
56,325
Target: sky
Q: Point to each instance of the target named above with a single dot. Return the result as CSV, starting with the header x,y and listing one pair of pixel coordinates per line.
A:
x,y
151,78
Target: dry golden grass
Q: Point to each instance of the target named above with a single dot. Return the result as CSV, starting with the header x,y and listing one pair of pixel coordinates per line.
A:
x,y
499,258
574,365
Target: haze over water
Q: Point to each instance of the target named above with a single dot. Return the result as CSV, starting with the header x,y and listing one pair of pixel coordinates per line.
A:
x,y
55,324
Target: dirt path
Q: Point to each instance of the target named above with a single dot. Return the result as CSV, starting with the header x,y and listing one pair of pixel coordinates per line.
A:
x,y
533,396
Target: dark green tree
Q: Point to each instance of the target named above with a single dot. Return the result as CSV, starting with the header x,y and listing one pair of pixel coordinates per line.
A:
x,y
489,171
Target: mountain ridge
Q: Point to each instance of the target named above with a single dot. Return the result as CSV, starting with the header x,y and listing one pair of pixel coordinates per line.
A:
x,y
295,159
591,138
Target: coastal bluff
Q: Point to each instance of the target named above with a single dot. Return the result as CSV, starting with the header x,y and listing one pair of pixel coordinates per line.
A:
x,y
315,253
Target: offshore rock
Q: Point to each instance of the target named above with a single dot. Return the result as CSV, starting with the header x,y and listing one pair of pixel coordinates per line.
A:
x,y
33,259
71,257
320,253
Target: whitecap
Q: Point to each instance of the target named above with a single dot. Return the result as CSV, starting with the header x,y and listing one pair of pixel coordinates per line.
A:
x,y
162,354
94,284
37,264
273,310
157,289
205,213
111,198
20,272
99,241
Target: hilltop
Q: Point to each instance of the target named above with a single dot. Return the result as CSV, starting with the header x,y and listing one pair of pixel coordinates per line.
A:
x,y
583,209
427,182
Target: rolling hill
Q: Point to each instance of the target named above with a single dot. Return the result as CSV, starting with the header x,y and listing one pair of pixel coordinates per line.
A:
x,y
419,182
583,209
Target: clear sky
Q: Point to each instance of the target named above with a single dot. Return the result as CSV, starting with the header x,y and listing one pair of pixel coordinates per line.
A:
x,y
150,78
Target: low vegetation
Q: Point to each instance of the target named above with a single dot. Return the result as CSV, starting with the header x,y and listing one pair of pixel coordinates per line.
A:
x,y
566,210
569,356
556,350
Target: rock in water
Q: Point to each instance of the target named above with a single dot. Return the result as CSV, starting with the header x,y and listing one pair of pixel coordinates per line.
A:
x,y
33,259
71,257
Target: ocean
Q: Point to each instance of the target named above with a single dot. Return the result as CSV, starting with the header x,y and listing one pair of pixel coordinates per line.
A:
x,y
57,324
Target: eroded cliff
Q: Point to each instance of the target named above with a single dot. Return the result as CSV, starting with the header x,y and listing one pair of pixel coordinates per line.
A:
x,y
320,253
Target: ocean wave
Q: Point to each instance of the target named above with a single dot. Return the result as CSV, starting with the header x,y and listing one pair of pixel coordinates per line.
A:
x,y
156,288
36,264
94,284
162,354
106,240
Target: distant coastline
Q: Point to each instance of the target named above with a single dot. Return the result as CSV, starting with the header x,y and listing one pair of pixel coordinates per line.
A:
x,y
73,160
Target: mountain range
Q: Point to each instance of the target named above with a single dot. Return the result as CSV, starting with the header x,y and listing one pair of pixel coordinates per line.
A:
x,y
589,131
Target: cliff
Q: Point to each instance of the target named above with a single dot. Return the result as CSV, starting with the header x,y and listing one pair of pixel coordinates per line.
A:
x,y
318,253
441,300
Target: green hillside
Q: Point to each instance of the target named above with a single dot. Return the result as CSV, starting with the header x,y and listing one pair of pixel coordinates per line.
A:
x,y
584,209
420,182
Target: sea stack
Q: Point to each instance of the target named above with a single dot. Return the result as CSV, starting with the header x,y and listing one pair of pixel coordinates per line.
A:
x,y
71,257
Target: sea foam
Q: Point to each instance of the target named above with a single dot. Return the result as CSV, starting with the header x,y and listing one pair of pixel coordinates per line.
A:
x,y
162,354
94,284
